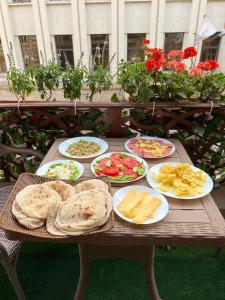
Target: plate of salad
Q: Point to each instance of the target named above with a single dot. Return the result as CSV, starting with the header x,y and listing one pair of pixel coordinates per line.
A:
x,y
83,147
119,167
61,169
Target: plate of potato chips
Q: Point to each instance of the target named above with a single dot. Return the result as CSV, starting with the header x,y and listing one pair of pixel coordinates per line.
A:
x,y
140,204
179,180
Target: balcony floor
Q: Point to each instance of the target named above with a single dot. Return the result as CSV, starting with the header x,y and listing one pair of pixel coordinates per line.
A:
x,y
49,271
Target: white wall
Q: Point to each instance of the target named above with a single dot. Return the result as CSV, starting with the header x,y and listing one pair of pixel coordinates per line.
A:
x,y
80,18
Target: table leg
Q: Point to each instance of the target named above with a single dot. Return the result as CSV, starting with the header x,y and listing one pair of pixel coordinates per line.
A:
x,y
140,253
84,272
149,273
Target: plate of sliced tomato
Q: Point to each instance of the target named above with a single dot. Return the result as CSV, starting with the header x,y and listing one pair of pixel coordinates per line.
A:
x,y
150,147
119,167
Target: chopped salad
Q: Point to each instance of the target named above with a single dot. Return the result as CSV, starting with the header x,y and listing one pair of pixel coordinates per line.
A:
x,y
67,171
83,148
120,167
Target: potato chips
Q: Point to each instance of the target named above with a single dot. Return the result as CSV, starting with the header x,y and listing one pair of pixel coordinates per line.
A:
x,y
180,179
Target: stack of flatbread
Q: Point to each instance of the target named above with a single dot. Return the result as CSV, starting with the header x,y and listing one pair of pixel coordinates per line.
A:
x,y
65,210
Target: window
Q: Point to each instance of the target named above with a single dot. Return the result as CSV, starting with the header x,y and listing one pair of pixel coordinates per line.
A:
x,y
64,49
173,41
210,47
100,48
29,50
134,45
19,1
2,59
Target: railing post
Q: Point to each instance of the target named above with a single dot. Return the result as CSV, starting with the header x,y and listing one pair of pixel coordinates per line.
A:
x,y
115,122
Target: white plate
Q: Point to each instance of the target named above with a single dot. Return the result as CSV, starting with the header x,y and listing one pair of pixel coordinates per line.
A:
x,y
64,146
151,138
43,169
162,210
207,187
131,155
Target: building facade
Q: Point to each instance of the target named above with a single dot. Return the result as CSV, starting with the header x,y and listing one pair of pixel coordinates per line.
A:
x,y
36,30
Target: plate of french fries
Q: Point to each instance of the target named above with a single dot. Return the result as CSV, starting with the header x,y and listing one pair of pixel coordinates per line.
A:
x,y
140,204
179,180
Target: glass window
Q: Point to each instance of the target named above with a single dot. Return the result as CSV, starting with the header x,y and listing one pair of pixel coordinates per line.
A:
x,y
19,1
100,48
64,48
173,41
134,45
29,50
2,59
210,47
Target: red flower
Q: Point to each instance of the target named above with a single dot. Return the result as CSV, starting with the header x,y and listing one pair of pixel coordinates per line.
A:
x,y
152,65
34,118
208,65
176,65
154,53
190,52
176,54
21,114
146,42
195,71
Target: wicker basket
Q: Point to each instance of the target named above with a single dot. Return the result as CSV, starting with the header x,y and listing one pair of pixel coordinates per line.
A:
x,y
16,231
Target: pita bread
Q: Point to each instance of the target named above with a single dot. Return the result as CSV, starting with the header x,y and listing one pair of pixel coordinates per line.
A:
x,y
50,222
63,189
35,199
90,185
84,212
30,223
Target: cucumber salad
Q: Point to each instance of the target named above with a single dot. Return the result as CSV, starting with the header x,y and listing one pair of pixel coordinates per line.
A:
x,y
67,171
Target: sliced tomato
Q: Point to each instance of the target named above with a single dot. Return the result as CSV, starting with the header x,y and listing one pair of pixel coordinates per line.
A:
x,y
116,155
129,172
103,163
112,171
97,172
130,163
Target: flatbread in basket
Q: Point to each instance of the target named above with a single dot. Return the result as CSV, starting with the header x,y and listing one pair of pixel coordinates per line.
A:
x,y
75,226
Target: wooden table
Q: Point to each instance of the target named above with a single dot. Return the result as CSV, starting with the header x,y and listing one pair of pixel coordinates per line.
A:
x,y
189,222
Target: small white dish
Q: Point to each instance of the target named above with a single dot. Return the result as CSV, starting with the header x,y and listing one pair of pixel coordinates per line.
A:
x,y
44,169
64,146
161,212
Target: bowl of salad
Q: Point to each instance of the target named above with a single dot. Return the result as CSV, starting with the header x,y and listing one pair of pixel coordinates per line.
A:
x,y
83,147
119,167
61,169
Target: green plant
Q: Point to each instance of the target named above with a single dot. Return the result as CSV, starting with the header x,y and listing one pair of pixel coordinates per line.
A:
x,y
98,80
72,82
21,83
47,78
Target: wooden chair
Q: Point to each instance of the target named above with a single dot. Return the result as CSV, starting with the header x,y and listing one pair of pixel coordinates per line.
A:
x,y
9,251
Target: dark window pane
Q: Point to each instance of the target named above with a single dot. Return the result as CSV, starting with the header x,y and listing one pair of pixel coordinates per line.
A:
x,y
2,60
210,47
64,48
173,41
29,50
100,48
19,1
134,45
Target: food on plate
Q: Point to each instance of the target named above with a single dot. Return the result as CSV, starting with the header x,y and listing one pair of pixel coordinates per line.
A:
x,y
150,148
180,179
64,209
124,203
63,189
134,202
139,206
120,167
146,209
84,212
83,148
67,171
90,185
